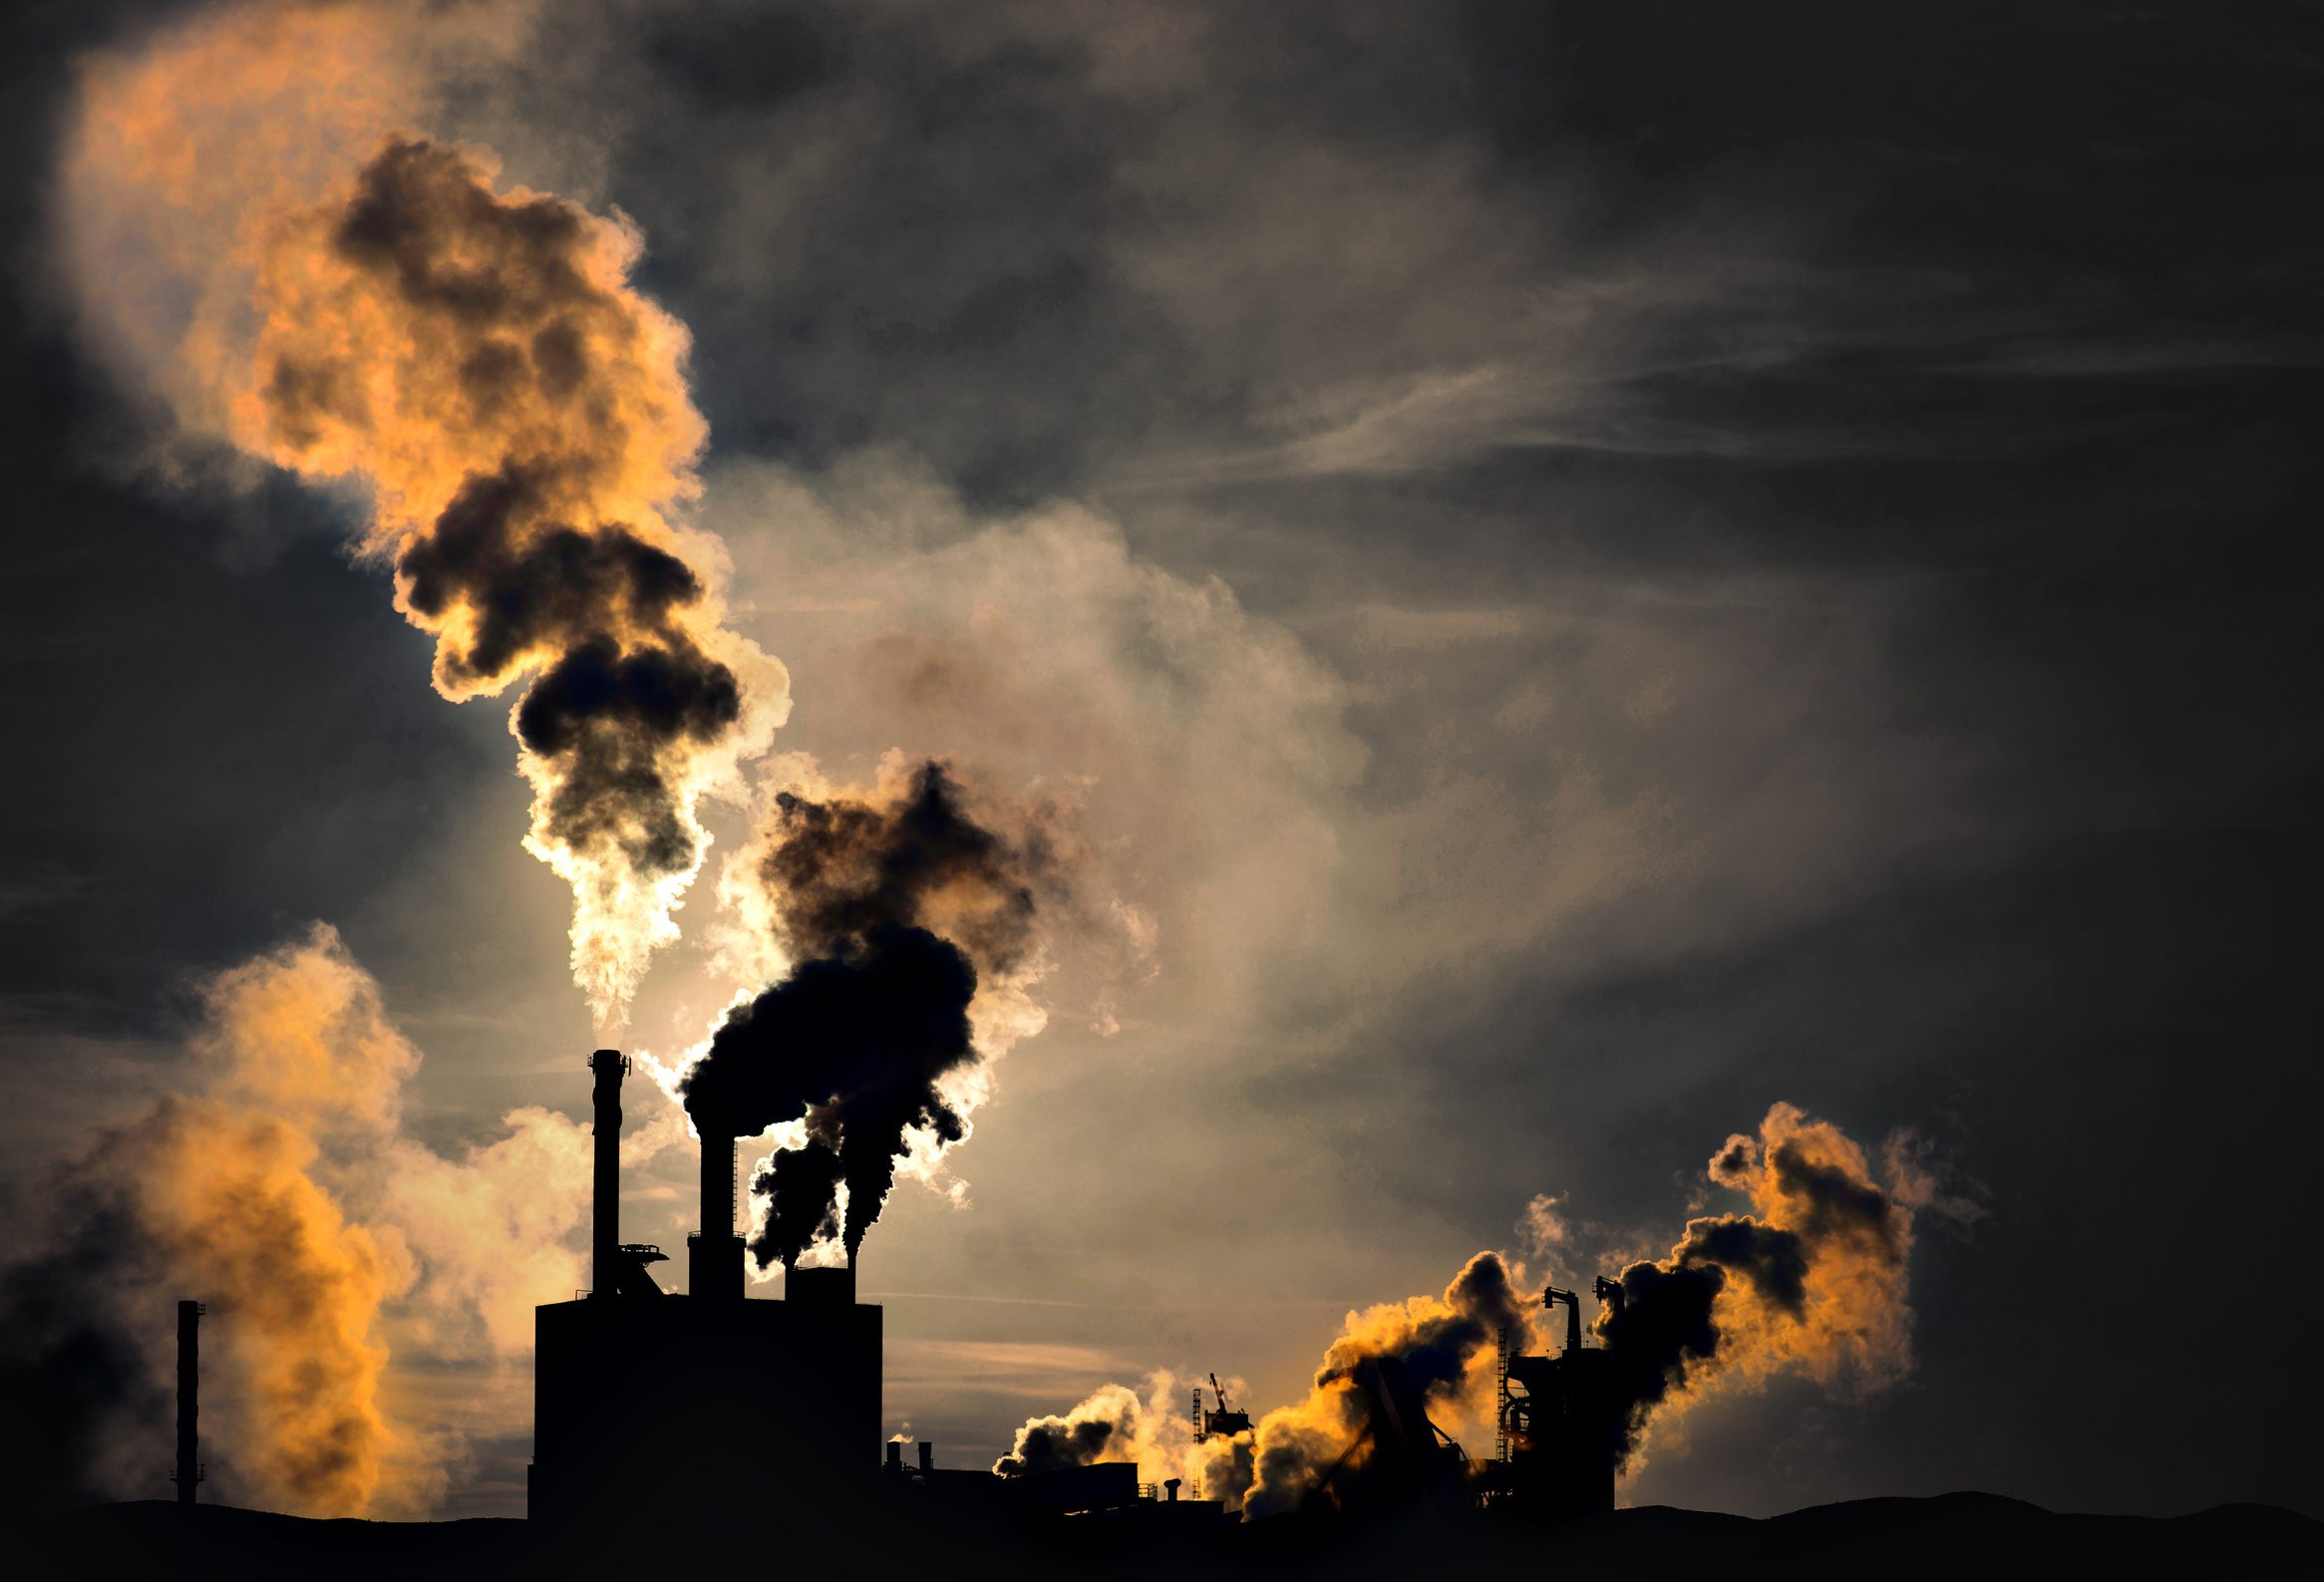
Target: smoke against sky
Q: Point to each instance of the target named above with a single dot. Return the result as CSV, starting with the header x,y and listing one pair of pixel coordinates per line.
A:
x,y
284,1186
890,914
479,363
1576,569
1812,1281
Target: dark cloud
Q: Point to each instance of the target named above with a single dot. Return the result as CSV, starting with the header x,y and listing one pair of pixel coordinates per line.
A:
x,y
534,584
1832,1205
863,1037
1051,1445
888,908
513,294
803,1205
837,870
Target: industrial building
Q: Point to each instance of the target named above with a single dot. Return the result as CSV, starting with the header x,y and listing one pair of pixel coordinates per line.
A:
x,y
1561,1423
709,1402
647,1399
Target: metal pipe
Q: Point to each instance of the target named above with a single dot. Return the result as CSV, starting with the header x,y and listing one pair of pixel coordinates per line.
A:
x,y
189,1400
609,1066
1572,1300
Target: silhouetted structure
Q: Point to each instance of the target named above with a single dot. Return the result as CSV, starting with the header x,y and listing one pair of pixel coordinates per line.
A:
x,y
607,1067
1398,1455
1225,1422
685,1404
1561,1420
189,1470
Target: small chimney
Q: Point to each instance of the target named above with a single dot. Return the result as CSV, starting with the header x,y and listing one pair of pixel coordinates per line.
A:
x,y
609,1066
189,1472
927,1455
1172,1485
896,1456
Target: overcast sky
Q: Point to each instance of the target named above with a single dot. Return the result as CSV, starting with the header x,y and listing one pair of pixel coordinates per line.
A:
x,y
1587,570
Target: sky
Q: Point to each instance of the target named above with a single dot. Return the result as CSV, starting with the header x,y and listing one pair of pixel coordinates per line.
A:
x,y
1569,575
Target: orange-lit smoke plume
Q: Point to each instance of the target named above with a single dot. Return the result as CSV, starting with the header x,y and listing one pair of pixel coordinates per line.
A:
x,y
902,932
358,302
283,1190
1812,1279
1447,1344
1151,1427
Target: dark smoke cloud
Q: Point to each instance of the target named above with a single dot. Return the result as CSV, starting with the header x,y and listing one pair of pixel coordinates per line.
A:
x,y
862,1038
1435,1349
841,868
1438,1341
798,1184
509,573
1816,1275
608,705
890,911
1051,1445
519,413
1831,1206
534,583
605,719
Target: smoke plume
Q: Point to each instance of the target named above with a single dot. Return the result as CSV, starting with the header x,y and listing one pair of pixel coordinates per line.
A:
x,y
1813,1278
1105,1427
477,362
1446,1346
282,1190
892,909
1154,1429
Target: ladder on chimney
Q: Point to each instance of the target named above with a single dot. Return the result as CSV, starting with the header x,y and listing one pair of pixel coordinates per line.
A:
x,y
1501,1416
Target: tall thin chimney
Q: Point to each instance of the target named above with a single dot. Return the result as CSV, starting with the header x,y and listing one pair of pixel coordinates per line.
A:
x,y
609,1066
189,1472
716,1251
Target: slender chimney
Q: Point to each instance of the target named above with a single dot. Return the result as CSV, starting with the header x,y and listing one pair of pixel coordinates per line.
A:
x,y
189,1472
896,1456
716,1250
609,1066
927,1455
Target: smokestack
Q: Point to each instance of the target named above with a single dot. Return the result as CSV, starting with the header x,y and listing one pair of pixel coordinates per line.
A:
x,y
609,1066
896,1456
927,1455
717,1252
189,1470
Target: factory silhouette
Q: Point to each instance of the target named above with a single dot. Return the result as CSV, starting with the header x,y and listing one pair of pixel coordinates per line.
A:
x,y
636,1393
713,1429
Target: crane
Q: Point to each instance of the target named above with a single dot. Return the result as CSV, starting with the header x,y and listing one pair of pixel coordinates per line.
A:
x,y
1226,1421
